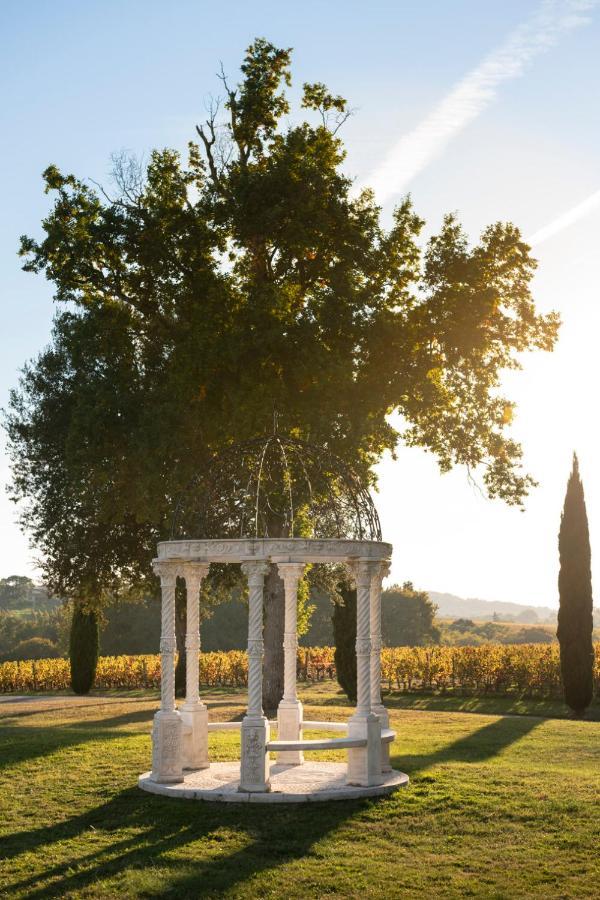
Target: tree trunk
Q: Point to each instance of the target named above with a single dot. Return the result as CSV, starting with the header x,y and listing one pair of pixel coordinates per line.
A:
x,y
274,618
344,636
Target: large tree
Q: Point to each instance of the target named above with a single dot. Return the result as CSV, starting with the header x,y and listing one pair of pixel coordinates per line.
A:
x,y
196,298
575,612
408,617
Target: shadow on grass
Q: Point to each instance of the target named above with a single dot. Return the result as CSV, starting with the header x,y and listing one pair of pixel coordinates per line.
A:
x,y
156,828
150,832
479,746
18,745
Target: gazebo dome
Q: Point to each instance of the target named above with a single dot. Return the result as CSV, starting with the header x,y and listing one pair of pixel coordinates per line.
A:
x,y
276,486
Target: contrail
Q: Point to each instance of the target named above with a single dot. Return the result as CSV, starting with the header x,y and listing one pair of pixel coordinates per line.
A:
x,y
474,93
569,218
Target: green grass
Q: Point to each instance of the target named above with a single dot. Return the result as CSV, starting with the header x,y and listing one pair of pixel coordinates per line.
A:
x,y
498,806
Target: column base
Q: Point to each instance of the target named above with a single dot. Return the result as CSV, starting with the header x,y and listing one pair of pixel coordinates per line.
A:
x,y
254,768
364,763
195,740
384,719
289,728
167,748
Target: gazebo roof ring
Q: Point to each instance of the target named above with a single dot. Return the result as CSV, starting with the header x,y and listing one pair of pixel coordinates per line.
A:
x,y
306,550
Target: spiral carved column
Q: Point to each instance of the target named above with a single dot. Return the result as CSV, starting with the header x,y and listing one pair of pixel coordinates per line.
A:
x,y
254,774
194,714
167,733
363,574
364,764
376,704
289,712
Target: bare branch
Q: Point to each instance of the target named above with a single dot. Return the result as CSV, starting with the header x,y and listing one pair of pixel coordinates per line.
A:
x,y
232,105
341,119
208,145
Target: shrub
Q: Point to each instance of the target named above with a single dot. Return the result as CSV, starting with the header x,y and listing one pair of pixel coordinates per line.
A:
x,y
35,648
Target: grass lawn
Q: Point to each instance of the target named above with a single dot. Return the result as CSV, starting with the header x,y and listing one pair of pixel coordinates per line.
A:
x,y
498,806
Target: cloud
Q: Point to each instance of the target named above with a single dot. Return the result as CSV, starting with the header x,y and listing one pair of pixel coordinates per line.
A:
x,y
415,150
568,218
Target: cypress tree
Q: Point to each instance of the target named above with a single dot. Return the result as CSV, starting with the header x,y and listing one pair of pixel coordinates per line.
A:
x,y
83,648
575,614
344,636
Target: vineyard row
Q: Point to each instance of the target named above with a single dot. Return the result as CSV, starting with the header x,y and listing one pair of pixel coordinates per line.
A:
x,y
530,669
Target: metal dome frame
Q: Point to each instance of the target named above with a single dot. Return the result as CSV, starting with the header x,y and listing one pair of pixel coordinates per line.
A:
x,y
257,488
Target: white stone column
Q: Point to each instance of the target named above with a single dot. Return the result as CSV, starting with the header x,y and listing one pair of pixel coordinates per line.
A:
x,y
254,770
194,714
289,711
166,731
376,703
364,764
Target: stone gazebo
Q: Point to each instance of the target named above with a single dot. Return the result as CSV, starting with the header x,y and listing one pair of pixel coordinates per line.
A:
x,y
330,493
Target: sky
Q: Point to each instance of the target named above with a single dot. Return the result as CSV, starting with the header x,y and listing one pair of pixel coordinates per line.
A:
x,y
486,109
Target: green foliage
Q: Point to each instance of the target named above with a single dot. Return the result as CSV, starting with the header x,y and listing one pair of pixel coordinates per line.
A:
x,y
35,648
320,629
575,622
16,592
407,617
344,635
461,625
200,295
83,648
466,633
130,628
20,626
532,635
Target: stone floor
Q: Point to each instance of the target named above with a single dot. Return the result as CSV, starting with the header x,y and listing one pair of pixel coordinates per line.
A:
x,y
312,781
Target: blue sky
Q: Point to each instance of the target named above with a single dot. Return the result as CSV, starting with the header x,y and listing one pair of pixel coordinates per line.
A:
x,y
489,109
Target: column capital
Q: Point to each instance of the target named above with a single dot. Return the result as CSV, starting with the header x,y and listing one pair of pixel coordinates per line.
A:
x,y
255,569
386,565
364,570
166,571
194,571
293,571
380,571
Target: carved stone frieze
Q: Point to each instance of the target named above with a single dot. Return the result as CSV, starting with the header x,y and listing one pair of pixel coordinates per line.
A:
x,y
273,550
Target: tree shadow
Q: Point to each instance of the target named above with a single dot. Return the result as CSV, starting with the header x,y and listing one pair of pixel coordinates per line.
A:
x,y
18,745
25,743
478,746
270,838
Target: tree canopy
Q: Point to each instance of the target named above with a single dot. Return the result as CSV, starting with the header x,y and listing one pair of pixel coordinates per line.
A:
x,y
199,295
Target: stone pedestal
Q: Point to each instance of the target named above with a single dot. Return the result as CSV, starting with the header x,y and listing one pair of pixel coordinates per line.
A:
x,y
254,770
364,763
289,728
384,720
166,748
195,741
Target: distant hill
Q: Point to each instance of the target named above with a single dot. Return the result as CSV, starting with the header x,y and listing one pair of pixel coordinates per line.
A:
x,y
452,606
